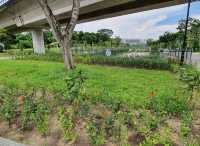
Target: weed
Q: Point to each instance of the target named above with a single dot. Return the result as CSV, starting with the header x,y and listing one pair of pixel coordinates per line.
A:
x,y
169,105
146,122
157,140
67,122
8,108
120,129
74,84
192,78
28,112
96,134
41,116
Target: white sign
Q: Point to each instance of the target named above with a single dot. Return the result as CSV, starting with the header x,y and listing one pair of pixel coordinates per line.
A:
x,y
108,52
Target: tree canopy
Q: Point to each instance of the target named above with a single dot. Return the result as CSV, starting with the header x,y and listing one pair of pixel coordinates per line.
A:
x,y
171,40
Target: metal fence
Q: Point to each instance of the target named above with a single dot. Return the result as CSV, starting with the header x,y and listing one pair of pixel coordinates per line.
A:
x,y
176,55
99,52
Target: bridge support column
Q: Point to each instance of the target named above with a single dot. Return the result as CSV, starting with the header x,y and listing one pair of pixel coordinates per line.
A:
x,y
38,42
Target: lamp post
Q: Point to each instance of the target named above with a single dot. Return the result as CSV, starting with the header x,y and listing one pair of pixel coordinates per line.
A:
x,y
185,35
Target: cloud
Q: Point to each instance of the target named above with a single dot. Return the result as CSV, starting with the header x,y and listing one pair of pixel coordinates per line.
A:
x,y
196,16
141,25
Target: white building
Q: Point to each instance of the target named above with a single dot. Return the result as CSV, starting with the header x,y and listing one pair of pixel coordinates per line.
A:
x,y
134,41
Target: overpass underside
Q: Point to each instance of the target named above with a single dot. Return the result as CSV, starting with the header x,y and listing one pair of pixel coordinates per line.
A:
x,y
26,15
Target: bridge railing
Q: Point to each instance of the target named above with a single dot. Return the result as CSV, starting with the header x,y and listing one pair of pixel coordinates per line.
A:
x,y
2,2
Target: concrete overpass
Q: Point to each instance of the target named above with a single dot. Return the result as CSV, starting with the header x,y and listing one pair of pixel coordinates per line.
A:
x,y
26,15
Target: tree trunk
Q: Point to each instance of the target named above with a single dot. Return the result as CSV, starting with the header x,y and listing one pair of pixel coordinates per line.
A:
x,y
63,37
68,61
67,55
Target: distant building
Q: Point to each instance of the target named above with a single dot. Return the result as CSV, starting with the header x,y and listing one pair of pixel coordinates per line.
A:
x,y
134,41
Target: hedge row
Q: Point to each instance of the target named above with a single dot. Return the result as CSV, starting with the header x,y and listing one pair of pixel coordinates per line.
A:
x,y
140,62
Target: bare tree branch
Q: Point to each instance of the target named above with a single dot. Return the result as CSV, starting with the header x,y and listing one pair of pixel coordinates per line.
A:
x,y
54,24
63,37
74,18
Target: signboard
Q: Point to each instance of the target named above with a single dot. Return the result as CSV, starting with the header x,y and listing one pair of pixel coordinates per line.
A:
x,y
108,52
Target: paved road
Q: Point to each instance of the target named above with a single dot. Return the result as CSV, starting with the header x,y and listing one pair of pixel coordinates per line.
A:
x,y
196,59
5,58
6,142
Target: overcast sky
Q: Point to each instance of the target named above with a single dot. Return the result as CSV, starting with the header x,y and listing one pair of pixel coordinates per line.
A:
x,y
143,25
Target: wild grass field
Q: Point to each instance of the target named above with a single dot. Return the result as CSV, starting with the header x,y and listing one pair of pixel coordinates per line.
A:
x,y
43,104
131,86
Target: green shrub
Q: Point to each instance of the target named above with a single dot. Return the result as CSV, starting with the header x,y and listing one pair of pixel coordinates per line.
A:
x,y
67,122
96,134
8,106
175,68
41,116
185,125
169,105
158,140
120,130
139,62
147,122
191,77
28,112
185,130
28,55
74,84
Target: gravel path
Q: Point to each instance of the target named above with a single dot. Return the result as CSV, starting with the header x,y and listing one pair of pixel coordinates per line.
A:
x,y
6,142
196,59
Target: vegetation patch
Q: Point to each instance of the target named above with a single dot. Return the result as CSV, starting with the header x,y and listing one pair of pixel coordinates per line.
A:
x,y
93,104
105,84
138,62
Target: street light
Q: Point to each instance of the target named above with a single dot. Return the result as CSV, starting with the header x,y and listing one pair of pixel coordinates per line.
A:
x,y
185,35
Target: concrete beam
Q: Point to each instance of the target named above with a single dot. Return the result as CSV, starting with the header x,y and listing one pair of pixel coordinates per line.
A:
x,y
26,14
38,42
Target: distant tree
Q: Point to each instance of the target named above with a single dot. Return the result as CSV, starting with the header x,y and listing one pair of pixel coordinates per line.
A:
x,y
6,38
193,32
91,38
165,39
194,35
181,25
117,41
48,37
107,32
24,40
149,42
175,40
102,37
3,34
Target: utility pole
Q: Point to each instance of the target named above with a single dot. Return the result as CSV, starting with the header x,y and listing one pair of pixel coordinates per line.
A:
x,y
185,35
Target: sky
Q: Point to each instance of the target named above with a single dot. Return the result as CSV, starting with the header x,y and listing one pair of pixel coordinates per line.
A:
x,y
143,25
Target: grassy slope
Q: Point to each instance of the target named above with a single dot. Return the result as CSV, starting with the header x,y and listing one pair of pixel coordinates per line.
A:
x,y
132,85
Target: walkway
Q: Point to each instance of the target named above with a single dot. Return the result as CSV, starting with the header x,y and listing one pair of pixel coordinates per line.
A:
x,y
196,59
6,142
